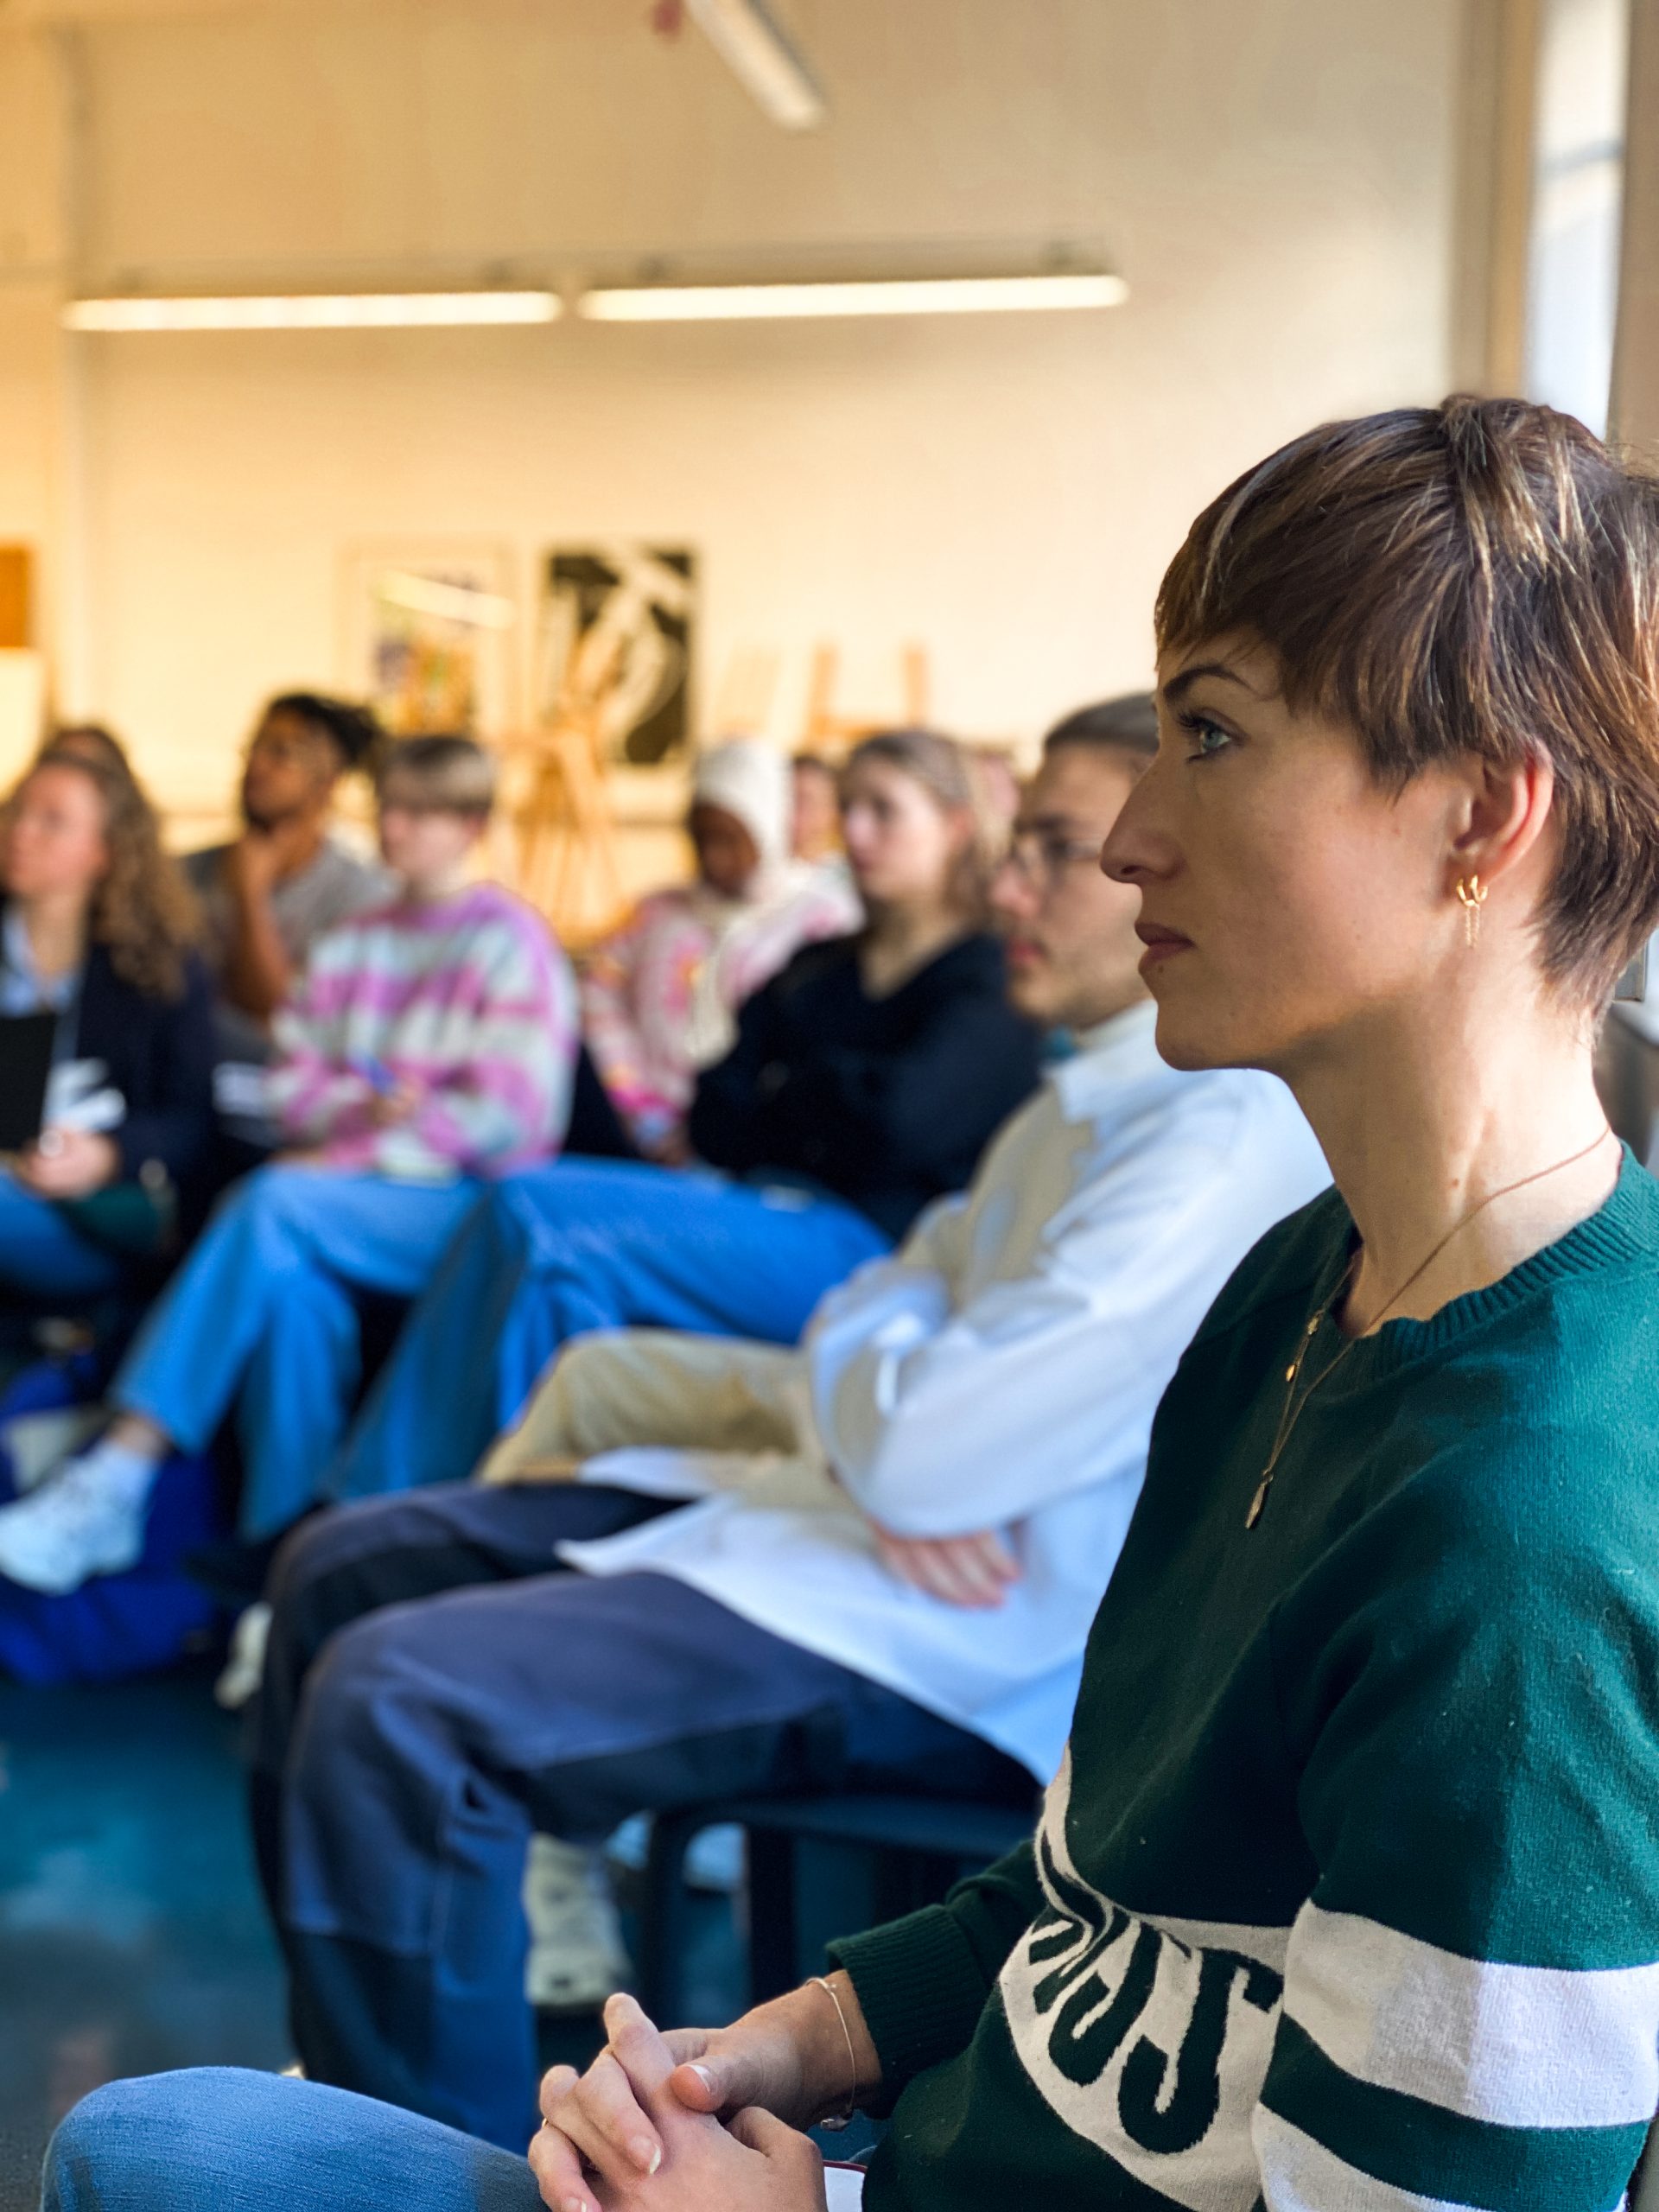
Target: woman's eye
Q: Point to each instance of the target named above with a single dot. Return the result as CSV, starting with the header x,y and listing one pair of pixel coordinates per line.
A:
x,y
1208,739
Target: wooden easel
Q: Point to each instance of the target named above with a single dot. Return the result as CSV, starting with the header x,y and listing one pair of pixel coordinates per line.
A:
x,y
564,854
832,735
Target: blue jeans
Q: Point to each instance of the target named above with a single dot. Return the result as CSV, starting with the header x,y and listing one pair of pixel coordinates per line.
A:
x,y
436,1688
261,1313
587,1245
214,2137
43,1256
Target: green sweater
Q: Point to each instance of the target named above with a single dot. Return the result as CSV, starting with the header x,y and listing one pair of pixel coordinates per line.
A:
x,y
1346,1897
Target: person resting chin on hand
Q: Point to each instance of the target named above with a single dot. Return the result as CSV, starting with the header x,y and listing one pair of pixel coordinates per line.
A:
x,y
705,2120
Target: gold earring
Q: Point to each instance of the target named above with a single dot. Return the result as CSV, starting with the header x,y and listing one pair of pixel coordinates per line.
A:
x,y
1472,896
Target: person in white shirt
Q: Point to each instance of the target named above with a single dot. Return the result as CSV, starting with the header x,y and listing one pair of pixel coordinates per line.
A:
x,y
869,1563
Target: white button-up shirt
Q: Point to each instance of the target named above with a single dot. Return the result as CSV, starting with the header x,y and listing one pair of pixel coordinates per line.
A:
x,y
1001,1370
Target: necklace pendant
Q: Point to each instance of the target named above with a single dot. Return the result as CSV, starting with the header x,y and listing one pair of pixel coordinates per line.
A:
x,y
1258,1502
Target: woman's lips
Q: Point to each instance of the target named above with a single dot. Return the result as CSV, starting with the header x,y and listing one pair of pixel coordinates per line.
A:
x,y
1161,944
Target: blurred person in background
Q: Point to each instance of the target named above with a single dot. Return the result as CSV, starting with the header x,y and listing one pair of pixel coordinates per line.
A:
x,y
660,995
815,811
90,741
866,1080
876,1558
428,1045
97,927
269,894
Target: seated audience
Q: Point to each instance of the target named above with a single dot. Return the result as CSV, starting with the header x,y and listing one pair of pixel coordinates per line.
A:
x,y
865,1082
269,894
659,996
428,1044
913,1522
1345,1894
97,927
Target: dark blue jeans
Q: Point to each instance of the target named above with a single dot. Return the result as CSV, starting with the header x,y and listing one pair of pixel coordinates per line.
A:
x,y
436,1689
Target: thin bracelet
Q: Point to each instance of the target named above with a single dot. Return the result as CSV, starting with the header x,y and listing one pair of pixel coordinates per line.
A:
x,y
841,2120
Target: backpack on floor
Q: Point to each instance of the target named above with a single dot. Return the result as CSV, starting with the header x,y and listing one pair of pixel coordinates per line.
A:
x,y
116,1625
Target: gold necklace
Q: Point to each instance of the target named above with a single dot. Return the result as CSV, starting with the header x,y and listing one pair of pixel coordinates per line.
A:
x,y
1292,1411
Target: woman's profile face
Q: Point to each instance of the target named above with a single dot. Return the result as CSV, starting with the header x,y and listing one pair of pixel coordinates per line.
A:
x,y
1286,897
54,845
901,843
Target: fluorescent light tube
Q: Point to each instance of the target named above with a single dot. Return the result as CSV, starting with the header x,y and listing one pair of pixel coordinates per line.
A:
x,y
313,311
875,296
760,52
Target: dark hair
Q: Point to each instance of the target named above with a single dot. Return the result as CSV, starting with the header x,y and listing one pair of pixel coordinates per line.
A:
x,y
1128,724
142,912
453,773
1477,578
352,730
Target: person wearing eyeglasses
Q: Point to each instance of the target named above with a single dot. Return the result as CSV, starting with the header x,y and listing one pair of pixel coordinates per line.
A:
x,y
875,1562
1345,1896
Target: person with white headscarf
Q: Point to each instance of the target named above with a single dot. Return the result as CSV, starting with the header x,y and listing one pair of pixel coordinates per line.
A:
x,y
659,996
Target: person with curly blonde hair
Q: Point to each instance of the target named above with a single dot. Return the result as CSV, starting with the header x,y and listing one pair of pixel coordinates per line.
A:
x,y
96,927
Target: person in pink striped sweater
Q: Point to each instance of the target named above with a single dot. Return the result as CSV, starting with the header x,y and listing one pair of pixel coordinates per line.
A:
x,y
429,1046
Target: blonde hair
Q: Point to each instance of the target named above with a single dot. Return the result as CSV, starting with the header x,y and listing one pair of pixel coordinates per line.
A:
x,y
142,912
951,777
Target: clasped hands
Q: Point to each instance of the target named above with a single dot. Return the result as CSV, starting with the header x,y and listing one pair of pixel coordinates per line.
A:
x,y
696,2121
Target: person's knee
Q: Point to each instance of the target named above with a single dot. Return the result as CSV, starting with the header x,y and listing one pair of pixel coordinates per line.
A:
x,y
365,1699
120,2146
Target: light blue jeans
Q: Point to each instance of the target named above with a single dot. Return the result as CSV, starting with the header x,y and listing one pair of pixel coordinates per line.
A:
x,y
579,1244
213,2138
43,1256
261,1314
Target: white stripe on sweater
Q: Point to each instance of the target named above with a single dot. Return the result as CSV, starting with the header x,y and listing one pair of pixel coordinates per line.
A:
x,y
1516,2046
1298,2175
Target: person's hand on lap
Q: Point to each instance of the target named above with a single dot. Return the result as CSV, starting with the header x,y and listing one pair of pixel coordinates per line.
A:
x,y
973,1571
618,2138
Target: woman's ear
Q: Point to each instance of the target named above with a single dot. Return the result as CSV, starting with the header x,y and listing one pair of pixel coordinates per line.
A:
x,y
1500,817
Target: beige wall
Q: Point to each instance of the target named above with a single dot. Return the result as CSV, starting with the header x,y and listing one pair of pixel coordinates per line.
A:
x,y
1275,180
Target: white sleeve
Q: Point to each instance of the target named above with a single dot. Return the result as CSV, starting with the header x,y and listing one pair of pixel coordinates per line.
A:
x,y
941,1422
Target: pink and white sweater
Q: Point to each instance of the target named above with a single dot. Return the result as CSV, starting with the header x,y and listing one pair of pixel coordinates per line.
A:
x,y
471,999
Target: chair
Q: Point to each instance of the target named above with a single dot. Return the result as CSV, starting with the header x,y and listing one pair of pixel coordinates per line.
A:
x,y
818,1867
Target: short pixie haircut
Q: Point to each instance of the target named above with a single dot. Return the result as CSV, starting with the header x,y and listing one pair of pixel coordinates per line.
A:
x,y
1480,577
451,775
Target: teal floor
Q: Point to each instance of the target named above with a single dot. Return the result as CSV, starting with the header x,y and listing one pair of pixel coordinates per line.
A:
x,y
131,1936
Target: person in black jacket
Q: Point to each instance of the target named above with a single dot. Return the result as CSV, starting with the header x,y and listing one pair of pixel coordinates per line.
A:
x,y
866,1081
96,926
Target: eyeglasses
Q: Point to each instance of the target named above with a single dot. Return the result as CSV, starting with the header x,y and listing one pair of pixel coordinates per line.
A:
x,y
1042,857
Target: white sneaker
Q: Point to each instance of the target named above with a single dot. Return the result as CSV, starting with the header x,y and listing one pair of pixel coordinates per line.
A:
x,y
68,1530
244,1669
577,1958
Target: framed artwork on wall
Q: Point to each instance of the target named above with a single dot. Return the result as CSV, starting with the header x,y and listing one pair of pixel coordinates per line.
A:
x,y
428,634
615,633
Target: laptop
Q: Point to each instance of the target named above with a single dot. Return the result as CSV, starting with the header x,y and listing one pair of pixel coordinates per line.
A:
x,y
27,1043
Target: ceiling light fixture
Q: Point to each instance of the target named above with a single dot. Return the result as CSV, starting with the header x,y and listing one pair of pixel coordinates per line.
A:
x,y
759,51
313,311
874,296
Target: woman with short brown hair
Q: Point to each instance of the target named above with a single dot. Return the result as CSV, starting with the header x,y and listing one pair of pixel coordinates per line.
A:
x,y
1346,1896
